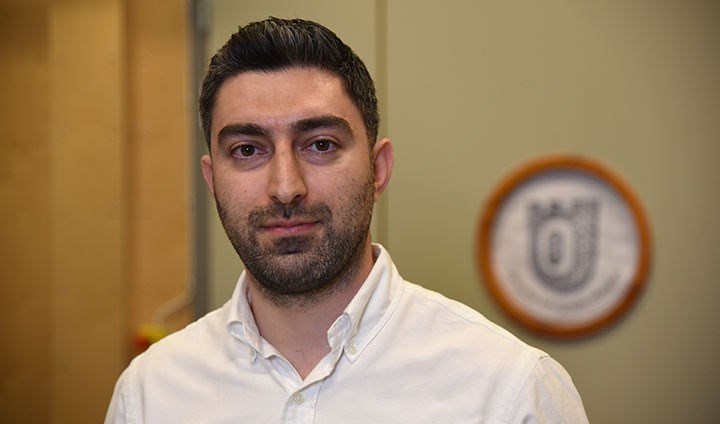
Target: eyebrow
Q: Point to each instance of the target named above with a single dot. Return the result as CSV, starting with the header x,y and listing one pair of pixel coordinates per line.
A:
x,y
303,125
324,121
232,130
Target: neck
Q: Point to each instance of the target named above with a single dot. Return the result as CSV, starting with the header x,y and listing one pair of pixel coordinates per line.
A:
x,y
298,330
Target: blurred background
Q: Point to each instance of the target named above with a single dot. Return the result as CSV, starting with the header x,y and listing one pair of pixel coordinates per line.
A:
x,y
106,227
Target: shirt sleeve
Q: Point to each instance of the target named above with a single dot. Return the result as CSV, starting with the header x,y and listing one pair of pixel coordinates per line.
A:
x,y
548,397
117,412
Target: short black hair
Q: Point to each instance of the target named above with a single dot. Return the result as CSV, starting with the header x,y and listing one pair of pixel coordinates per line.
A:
x,y
276,44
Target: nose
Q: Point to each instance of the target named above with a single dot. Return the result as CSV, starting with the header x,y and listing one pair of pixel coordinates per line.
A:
x,y
287,183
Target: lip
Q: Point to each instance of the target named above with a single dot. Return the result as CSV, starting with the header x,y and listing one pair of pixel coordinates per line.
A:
x,y
289,227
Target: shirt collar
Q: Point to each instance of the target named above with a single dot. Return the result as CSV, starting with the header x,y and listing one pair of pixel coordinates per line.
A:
x,y
353,330
373,304
241,322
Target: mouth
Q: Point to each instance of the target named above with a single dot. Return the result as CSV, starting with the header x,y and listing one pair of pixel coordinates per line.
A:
x,y
291,227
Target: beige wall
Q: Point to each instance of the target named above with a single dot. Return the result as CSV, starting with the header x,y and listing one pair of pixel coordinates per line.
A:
x,y
25,277
93,193
478,88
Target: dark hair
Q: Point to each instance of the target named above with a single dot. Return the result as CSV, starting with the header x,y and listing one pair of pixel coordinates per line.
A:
x,y
276,44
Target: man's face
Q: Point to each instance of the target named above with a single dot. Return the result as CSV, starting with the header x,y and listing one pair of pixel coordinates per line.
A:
x,y
292,178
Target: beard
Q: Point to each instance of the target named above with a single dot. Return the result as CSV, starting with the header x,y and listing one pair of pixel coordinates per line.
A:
x,y
301,270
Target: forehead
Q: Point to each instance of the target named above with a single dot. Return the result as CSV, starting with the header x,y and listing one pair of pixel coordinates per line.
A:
x,y
279,98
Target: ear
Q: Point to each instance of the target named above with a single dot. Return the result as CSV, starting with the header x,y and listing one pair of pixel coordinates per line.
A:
x,y
206,163
383,159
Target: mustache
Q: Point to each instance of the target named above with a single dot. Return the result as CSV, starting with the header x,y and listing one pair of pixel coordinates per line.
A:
x,y
318,211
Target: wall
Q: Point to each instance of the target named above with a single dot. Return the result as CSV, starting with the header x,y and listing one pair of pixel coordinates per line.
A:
x,y
471,90
93,184
478,88
25,277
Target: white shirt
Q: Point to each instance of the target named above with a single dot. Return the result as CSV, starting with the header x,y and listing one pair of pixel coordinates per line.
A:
x,y
399,354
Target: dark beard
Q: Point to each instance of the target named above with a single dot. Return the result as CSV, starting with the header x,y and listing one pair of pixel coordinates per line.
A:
x,y
301,270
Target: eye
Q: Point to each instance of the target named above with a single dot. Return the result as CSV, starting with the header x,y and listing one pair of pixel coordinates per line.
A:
x,y
322,146
245,150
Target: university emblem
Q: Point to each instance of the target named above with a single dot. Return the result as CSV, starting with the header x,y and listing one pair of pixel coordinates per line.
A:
x,y
563,243
564,246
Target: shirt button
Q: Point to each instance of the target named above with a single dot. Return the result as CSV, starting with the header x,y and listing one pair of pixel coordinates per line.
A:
x,y
352,349
298,398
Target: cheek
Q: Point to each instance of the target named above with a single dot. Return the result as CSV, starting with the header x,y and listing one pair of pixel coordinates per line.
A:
x,y
234,196
343,188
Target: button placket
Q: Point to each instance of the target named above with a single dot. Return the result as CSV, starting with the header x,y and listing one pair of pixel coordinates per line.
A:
x,y
298,398
300,406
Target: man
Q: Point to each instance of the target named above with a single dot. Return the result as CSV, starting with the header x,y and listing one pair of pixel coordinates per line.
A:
x,y
321,328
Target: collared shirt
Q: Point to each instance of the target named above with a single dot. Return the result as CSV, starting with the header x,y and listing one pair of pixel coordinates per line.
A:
x,y
398,354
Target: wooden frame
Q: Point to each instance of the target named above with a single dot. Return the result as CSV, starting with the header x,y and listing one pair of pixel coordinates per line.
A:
x,y
498,287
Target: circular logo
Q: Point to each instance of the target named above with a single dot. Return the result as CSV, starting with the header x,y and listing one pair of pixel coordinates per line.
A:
x,y
564,246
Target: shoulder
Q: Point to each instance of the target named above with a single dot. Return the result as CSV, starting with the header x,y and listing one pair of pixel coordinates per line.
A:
x,y
548,395
171,367
516,381
459,338
448,316
181,352
206,329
